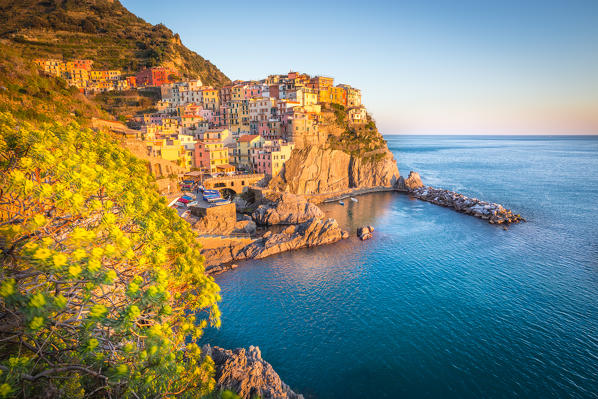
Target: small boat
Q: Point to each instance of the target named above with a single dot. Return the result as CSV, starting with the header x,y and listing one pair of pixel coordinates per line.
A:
x,y
354,199
341,202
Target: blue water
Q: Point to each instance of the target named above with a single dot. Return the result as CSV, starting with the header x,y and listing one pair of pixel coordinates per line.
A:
x,y
440,304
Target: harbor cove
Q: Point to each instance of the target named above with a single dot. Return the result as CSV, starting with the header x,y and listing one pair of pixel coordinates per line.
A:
x,y
439,304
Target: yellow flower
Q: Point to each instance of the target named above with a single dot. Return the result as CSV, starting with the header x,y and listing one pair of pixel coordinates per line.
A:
x,y
42,254
26,162
75,270
97,310
37,301
78,254
93,343
109,249
5,390
7,288
39,220
110,276
93,265
133,288
77,200
59,260
36,323
134,312
60,301
97,252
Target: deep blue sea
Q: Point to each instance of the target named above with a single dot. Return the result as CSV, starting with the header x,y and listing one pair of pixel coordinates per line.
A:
x,y
439,304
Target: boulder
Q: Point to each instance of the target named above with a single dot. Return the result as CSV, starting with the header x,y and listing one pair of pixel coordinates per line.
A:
x,y
365,232
413,181
245,227
247,374
285,208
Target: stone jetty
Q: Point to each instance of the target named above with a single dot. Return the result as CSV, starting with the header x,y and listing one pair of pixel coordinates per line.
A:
x,y
492,212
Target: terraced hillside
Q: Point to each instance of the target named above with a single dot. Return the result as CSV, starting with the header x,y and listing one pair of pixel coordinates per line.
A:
x,y
101,30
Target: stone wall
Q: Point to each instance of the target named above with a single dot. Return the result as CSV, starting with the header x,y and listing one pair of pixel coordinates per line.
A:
x,y
226,211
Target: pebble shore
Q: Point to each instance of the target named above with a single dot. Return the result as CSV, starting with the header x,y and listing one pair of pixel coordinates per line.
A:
x,y
492,212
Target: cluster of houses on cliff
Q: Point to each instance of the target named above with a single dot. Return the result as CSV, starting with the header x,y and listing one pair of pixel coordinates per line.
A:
x,y
249,126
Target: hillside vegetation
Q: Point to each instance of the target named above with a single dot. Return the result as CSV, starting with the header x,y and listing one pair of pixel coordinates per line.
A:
x,y
101,30
102,286
29,95
354,139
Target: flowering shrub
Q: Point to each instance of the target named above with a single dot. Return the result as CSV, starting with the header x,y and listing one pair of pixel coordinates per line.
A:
x,y
102,286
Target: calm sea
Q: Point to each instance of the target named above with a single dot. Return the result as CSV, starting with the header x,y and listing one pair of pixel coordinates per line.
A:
x,y
440,304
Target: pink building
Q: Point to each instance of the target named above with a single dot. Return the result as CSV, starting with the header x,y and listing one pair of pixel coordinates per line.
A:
x,y
253,90
270,158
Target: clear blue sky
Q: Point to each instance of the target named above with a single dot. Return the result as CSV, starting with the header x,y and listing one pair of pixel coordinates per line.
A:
x,y
435,66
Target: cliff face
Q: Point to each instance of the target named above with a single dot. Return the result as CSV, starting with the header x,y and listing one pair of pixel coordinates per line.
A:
x,y
317,170
338,156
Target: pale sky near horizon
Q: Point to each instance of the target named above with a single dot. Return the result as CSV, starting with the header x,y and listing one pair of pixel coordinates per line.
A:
x,y
432,67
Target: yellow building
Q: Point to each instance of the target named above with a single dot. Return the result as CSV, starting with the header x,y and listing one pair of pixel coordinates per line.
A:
x,y
321,82
212,156
210,99
244,146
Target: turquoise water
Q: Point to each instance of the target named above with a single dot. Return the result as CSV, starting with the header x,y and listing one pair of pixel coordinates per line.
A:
x,y
440,304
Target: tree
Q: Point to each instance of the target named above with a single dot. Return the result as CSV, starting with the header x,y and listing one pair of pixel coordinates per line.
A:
x,y
102,286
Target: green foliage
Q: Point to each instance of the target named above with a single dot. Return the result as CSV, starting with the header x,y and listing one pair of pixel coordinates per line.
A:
x,y
102,287
358,139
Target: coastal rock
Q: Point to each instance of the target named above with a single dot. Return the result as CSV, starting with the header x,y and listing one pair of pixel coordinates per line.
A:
x,y
245,227
247,374
413,181
365,232
286,209
311,233
317,170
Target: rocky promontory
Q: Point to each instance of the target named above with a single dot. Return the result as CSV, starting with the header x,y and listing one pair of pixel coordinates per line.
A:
x,y
245,373
311,233
320,170
341,154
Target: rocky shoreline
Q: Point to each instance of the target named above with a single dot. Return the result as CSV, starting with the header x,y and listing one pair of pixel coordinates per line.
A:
x,y
247,374
311,233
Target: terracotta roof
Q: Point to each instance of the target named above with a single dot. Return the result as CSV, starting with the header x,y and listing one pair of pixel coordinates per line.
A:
x,y
248,137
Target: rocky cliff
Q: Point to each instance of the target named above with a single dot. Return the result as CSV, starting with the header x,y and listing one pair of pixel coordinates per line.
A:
x,y
247,374
341,157
318,170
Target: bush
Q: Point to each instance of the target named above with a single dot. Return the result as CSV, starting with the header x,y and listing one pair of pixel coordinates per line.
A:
x,y
102,287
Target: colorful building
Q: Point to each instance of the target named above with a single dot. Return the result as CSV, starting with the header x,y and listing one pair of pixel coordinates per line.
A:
x,y
244,146
270,158
156,76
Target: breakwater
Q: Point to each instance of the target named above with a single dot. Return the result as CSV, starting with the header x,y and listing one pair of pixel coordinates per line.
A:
x,y
490,211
